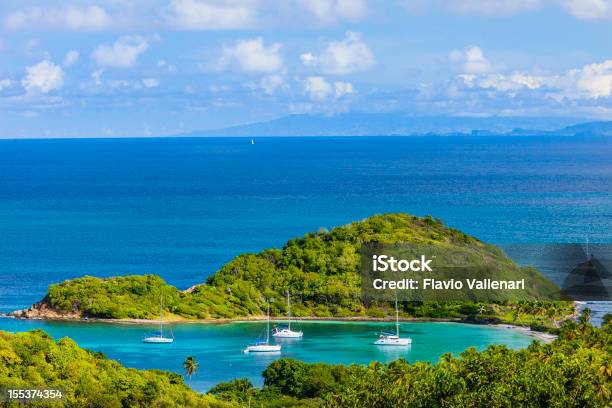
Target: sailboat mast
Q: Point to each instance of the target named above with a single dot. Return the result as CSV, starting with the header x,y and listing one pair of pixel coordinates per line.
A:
x,y
396,318
161,317
289,311
268,324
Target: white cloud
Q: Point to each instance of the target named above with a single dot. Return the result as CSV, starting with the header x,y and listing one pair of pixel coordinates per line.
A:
x,y
90,18
493,7
97,76
502,82
150,82
271,83
211,14
528,81
342,88
588,9
308,58
580,9
44,77
342,57
591,81
5,83
165,65
122,54
594,80
71,58
318,89
253,56
472,59
332,10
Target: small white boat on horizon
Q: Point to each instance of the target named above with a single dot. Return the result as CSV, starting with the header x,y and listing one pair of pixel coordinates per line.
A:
x,y
264,346
285,332
393,339
158,337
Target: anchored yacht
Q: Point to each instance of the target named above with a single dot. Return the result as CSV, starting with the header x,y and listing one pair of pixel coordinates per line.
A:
x,y
393,339
285,332
158,336
264,346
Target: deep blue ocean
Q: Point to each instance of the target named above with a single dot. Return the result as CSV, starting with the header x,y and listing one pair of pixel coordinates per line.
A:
x,y
181,208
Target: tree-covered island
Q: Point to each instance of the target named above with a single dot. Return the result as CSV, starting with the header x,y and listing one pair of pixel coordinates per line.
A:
x,y
322,272
320,269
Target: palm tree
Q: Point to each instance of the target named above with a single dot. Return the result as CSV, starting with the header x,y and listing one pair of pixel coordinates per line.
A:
x,y
585,316
191,366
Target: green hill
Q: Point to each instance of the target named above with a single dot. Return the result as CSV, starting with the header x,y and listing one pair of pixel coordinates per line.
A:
x,y
87,379
320,269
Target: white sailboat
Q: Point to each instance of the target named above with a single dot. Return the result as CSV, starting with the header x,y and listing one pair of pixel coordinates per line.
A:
x,y
285,332
158,337
264,346
391,339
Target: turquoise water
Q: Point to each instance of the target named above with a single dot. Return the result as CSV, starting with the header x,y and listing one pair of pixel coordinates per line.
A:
x,y
181,208
218,347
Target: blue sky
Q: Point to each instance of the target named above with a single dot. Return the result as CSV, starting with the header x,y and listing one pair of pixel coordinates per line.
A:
x,y
144,68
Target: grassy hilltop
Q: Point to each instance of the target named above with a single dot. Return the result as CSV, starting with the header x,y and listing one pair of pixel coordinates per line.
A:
x,y
320,269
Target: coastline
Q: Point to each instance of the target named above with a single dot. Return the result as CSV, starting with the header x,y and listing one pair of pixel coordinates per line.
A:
x,y
542,336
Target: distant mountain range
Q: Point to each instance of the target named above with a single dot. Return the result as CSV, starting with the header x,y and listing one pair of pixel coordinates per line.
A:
x,y
386,124
588,128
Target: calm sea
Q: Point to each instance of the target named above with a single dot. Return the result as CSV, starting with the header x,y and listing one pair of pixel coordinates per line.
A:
x,y
219,347
180,208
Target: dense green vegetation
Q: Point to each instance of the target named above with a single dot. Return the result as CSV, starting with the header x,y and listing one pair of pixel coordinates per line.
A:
x,y
573,371
34,359
320,269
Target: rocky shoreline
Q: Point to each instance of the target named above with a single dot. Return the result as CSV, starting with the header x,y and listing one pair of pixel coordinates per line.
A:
x,y
42,310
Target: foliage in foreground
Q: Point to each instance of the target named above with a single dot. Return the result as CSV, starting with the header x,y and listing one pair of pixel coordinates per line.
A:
x,y
573,371
34,359
321,270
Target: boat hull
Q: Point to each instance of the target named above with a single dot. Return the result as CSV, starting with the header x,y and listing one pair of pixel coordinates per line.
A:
x,y
157,340
263,348
288,334
393,342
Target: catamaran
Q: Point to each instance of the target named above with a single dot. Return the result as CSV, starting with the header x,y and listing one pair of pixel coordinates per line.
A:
x,y
285,332
264,346
393,339
158,337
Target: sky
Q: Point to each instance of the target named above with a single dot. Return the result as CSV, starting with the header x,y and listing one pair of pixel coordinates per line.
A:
x,y
114,68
